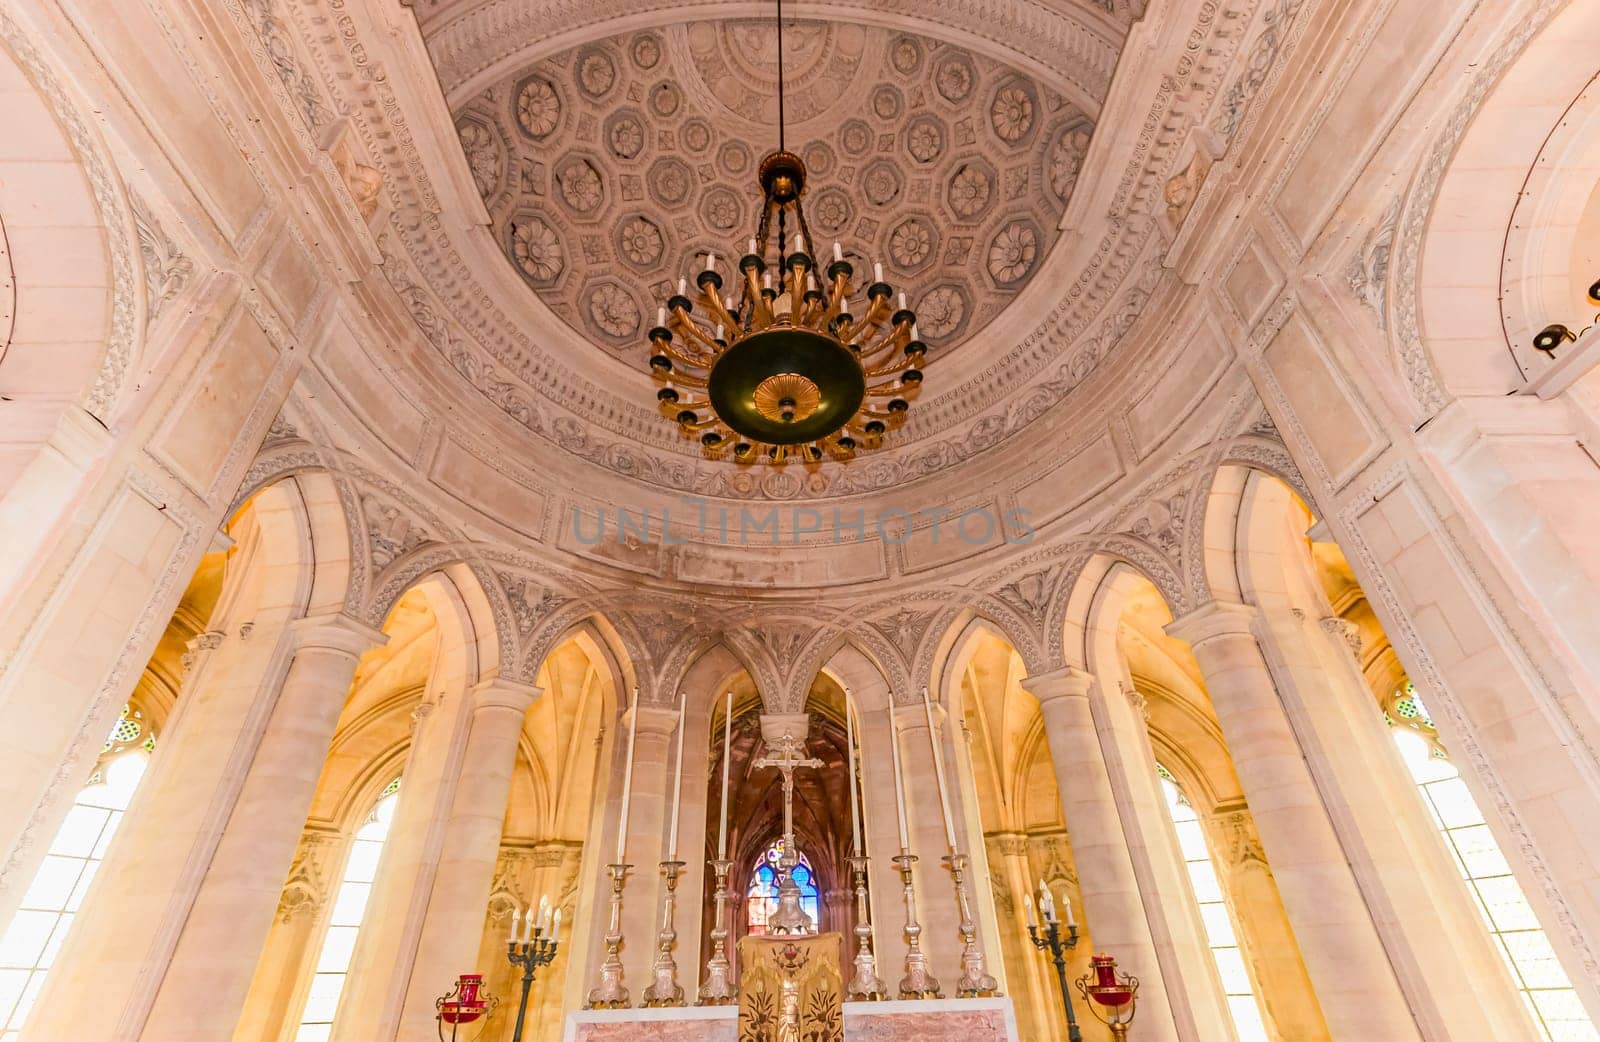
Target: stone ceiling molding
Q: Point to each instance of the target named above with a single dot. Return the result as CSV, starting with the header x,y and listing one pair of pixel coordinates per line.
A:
x,y
565,386
1405,336
90,151
474,41
611,169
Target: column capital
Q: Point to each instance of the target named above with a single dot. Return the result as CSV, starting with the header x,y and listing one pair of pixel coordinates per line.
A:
x,y
1213,620
775,725
335,631
503,693
652,720
1065,682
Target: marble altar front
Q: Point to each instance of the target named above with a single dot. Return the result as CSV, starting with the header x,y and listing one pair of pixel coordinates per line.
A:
x,y
932,1020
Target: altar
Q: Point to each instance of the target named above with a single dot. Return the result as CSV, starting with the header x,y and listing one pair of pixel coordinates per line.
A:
x,y
921,1020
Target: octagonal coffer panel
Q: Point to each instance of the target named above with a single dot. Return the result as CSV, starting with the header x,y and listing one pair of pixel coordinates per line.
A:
x,y
611,169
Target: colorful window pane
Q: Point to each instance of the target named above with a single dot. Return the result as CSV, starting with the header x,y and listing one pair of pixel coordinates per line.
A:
x,y
761,896
344,921
1506,913
1214,913
40,925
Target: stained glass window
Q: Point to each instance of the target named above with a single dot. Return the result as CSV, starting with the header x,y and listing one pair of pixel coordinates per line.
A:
x,y
1506,913
344,923
1236,984
36,932
761,896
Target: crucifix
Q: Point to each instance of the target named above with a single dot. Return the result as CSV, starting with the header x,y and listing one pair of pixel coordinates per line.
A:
x,y
790,918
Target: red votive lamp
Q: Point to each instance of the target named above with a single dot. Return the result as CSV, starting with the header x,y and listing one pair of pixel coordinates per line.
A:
x,y
1111,994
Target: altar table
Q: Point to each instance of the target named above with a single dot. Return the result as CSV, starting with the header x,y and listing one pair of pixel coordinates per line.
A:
x,y
924,1020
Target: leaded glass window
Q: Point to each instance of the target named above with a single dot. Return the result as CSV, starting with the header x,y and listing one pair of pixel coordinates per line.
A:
x,y
761,896
35,934
1509,918
344,922
1237,986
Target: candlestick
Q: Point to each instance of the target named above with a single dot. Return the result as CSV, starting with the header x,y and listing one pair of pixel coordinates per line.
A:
x,y
866,985
610,993
899,781
718,989
938,774
975,981
677,783
627,779
855,809
1057,946
665,989
918,983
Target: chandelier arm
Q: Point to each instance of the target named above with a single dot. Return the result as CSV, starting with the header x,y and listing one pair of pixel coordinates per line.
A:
x,y
681,379
693,352
695,333
720,314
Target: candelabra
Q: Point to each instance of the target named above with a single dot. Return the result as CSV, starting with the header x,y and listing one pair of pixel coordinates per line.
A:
x,y
537,948
866,986
1112,995
918,983
718,989
465,1003
610,993
665,989
975,980
1058,946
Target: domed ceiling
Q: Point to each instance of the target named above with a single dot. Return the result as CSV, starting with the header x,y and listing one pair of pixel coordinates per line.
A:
x,y
611,169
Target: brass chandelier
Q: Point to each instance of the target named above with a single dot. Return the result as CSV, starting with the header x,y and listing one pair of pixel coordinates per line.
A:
x,y
790,370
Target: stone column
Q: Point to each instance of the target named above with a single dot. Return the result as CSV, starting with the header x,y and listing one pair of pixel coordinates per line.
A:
x,y
224,932
1355,982
458,897
188,896
1032,982
1453,976
1106,877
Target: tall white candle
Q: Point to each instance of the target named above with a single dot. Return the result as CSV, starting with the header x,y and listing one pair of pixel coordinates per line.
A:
x,y
899,781
938,773
1027,903
727,758
516,921
1066,905
627,779
677,785
855,808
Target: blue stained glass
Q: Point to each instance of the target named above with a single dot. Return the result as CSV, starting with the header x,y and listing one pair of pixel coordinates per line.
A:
x,y
761,895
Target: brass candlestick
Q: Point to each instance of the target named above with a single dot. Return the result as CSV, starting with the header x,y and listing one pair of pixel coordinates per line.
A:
x,y
611,993
918,983
866,986
718,989
665,989
975,980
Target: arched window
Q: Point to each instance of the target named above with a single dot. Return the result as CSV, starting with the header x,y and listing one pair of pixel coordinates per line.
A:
x,y
1517,934
1243,1002
761,897
344,923
35,933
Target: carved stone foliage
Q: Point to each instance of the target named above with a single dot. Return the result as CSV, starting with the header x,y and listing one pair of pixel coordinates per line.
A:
x,y
309,878
166,269
390,532
1161,523
1262,57
1367,274
1345,631
613,168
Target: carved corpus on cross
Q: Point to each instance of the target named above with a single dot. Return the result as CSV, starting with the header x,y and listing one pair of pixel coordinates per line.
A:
x,y
790,918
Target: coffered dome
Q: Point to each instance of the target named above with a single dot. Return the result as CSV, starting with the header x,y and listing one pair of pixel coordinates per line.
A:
x,y
612,168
